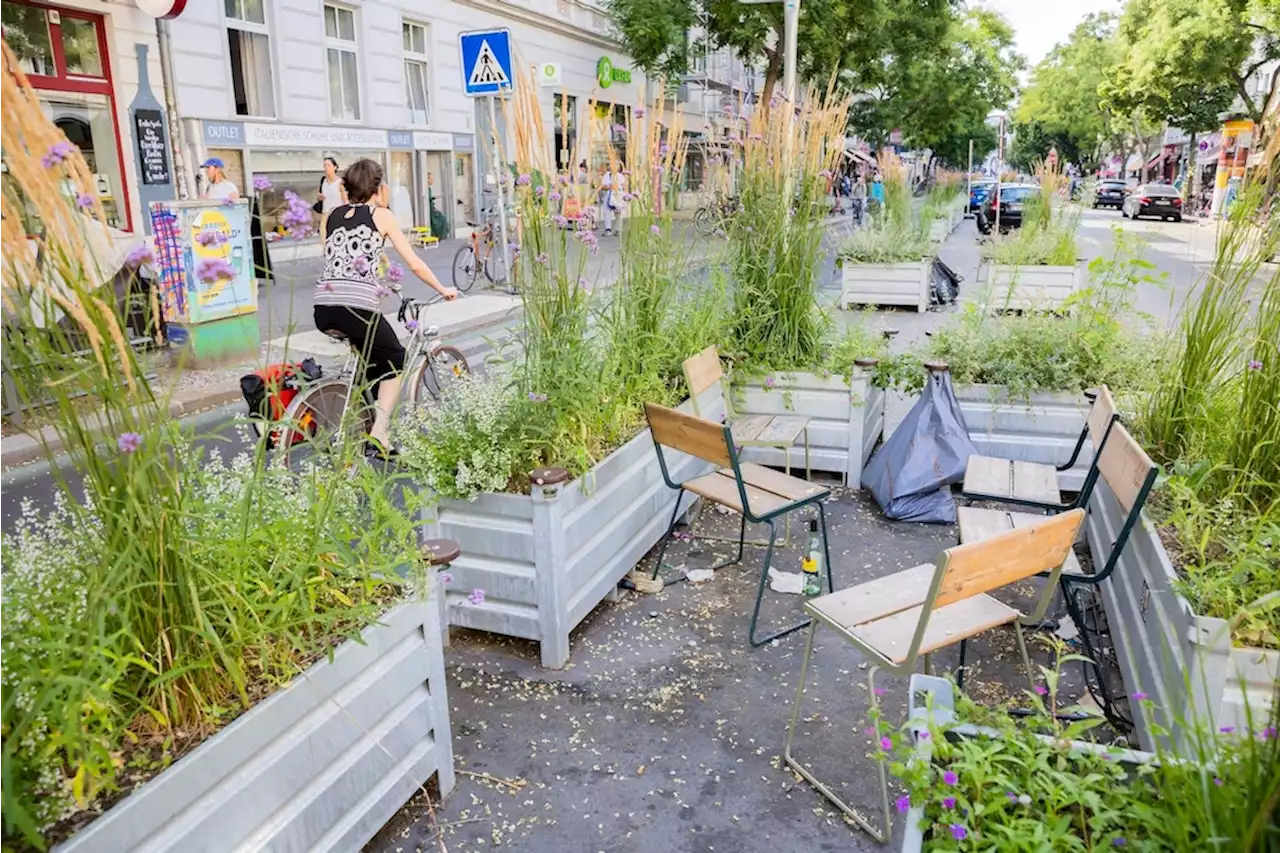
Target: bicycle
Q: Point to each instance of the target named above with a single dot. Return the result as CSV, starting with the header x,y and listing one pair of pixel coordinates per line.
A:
x,y
712,215
318,414
481,252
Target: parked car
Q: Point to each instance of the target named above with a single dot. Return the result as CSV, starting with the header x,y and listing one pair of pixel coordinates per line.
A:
x,y
978,192
1012,202
1162,200
1110,194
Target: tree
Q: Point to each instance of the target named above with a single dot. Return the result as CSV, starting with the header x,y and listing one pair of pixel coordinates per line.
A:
x,y
1061,105
832,34
940,95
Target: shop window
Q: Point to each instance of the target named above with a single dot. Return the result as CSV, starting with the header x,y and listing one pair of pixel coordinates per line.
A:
x,y
26,29
340,57
249,47
299,172
80,47
417,94
565,109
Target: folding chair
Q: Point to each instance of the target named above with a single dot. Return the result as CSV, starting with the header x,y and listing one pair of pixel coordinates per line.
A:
x,y
898,619
759,494
1130,474
1033,484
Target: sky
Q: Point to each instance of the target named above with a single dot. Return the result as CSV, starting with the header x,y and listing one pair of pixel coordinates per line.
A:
x,y
1040,24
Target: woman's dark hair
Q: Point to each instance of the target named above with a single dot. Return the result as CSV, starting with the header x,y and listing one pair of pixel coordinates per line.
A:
x,y
331,160
361,180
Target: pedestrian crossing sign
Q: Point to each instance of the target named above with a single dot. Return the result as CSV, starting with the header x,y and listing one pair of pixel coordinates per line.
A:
x,y
486,62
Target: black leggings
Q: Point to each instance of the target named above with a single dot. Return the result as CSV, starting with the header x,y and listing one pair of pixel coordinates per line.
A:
x,y
370,334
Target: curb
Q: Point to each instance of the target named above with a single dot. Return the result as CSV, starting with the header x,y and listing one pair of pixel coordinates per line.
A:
x,y
24,447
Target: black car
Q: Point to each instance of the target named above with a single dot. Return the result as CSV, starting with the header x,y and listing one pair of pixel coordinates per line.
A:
x,y
1009,203
1162,200
1111,194
978,192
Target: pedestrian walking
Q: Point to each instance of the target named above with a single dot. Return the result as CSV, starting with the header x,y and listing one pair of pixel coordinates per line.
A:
x,y
330,195
607,200
858,204
876,194
217,186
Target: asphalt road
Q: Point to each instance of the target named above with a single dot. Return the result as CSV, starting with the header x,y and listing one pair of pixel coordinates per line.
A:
x,y
1182,251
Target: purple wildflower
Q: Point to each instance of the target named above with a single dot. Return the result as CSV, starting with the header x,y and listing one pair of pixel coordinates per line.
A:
x,y
879,691
128,442
562,179
1011,796
211,239
210,270
1226,730
1254,364
539,190
768,383
655,230
627,196
582,282
949,803
139,256
958,832
476,597
560,221
868,731
923,735
663,149
382,291
1119,841
1137,696
639,113
411,325
619,128
535,397
755,137
1041,690
886,743
446,578
522,181
554,195
261,183
950,777
903,803
57,152
395,272
1217,781
84,200
542,259
1268,733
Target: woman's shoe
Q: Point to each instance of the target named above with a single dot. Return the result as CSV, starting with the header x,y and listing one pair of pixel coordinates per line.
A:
x,y
375,449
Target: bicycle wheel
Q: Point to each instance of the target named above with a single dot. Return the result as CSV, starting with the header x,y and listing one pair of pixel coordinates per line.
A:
x,y
494,268
465,268
437,371
704,221
321,419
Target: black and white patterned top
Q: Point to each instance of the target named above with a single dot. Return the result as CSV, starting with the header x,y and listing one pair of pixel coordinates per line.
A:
x,y
352,249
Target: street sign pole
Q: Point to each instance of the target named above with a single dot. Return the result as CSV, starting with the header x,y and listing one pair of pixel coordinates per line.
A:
x,y
500,169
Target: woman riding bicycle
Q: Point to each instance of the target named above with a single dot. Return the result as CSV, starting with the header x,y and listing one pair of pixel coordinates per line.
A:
x,y
348,295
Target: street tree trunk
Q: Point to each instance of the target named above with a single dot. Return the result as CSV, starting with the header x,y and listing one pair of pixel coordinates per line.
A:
x,y
772,72
1189,189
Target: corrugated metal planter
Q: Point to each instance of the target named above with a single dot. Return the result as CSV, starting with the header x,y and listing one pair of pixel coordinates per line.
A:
x,y
1043,427
321,765
546,559
1029,287
847,418
943,711
906,284
1183,661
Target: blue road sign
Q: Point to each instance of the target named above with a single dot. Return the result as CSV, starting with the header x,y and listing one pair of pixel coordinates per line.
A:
x,y
486,62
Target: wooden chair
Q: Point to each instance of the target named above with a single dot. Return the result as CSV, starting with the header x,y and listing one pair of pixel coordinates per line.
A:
x,y
896,620
760,495
709,393
1033,484
1130,474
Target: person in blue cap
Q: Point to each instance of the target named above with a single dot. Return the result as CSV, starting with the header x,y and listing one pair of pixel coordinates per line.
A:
x,y
217,187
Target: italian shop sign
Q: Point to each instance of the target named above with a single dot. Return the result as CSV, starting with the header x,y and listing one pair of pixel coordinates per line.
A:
x,y
607,74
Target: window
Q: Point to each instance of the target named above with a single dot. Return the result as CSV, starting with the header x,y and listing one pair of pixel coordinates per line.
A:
x,y
249,47
340,52
415,72
26,29
80,47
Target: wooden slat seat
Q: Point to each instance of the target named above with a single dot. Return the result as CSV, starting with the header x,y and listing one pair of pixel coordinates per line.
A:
x,y
892,635
721,489
747,427
783,485
781,431
876,599
1010,478
977,524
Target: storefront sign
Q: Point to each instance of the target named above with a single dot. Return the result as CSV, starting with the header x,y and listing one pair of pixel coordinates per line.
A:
x,y
224,134
304,136
153,154
400,139
464,142
220,234
549,74
426,140
607,74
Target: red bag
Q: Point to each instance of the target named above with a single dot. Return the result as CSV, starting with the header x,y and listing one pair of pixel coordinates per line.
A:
x,y
269,392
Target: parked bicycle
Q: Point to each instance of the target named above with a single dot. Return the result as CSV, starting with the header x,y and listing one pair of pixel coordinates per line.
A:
x,y
480,253
317,416
712,216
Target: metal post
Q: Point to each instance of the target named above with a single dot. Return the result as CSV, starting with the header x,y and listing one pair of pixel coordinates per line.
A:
x,y
968,177
185,174
790,26
999,171
500,173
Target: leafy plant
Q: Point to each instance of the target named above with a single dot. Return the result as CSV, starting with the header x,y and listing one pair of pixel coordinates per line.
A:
x,y
887,245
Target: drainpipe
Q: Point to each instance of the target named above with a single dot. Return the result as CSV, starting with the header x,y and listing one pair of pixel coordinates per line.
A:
x,y
182,163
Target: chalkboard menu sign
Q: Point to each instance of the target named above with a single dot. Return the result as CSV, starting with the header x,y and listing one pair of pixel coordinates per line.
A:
x,y
153,154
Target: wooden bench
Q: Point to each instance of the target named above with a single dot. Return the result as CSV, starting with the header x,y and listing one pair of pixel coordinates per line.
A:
x,y
1034,484
896,620
707,389
760,495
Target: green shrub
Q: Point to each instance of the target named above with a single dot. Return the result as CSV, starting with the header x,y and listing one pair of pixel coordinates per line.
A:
x,y
888,245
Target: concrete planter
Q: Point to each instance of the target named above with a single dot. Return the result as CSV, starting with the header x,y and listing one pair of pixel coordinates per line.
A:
x,y
321,765
886,284
1183,661
1043,427
1030,287
847,418
546,559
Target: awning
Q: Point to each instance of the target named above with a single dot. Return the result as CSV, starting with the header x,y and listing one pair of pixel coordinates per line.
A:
x,y
860,155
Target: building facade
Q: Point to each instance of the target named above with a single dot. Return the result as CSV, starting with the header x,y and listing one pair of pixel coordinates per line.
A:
x,y
273,88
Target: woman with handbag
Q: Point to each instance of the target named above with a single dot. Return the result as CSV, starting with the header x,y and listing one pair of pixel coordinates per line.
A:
x,y
331,194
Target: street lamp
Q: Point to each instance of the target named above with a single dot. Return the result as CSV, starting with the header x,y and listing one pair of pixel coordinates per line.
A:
x,y
1001,116
790,26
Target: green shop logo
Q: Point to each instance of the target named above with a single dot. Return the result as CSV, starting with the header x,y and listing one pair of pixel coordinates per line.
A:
x,y
607,75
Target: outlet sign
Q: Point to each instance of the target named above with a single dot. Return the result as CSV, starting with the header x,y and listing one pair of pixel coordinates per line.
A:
x,y
607,73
